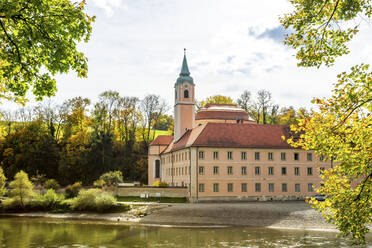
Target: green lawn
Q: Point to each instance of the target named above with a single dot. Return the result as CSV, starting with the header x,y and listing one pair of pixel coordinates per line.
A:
x,y
152,199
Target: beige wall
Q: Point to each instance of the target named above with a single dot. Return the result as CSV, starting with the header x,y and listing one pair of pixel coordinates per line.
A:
x,y
190,175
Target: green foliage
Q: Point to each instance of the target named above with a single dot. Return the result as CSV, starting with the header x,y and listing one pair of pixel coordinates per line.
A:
x,y
73,190
2,182
112,178
39,39
160,184
99,183
321,28
21,189
52,184
342,131
48,201
93,200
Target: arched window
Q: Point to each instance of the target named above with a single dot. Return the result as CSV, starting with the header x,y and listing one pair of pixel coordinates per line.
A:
x,y
157,168
186,94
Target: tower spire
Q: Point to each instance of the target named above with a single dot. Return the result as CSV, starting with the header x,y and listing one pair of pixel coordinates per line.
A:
x,y
185,69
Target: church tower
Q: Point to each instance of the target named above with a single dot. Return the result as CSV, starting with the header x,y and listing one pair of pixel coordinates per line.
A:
x,y
184,104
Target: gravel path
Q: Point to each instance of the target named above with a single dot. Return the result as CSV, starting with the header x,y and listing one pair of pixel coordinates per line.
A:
x,y
258,214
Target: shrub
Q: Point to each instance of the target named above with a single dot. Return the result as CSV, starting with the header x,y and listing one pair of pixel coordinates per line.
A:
x,y
112,178
21,189
99,183
51,184
93,200
39,179
160,184
49,201
73,190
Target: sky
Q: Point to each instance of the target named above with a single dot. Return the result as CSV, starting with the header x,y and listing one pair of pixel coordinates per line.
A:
x,y
136,48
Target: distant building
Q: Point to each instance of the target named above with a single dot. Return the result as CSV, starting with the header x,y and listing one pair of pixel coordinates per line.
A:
x,y
219,153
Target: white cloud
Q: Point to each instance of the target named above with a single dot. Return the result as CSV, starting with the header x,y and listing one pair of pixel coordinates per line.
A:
x,y
107,5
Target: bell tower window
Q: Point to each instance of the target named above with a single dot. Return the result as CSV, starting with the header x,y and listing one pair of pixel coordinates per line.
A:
x,y
186,94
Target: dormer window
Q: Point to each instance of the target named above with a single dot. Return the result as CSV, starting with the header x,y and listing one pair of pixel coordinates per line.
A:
x,y
186,94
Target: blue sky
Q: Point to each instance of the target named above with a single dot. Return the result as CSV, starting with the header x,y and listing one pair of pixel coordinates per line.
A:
x,y
232,45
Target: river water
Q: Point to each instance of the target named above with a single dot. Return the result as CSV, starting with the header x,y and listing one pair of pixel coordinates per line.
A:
x,y
26,232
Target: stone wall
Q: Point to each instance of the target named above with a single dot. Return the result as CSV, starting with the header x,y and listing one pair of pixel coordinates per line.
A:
x,y
152,191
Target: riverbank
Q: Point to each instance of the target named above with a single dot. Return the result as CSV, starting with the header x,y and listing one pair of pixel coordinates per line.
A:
x,y
290,215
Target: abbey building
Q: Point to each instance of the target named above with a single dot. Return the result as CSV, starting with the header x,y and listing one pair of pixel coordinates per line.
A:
x,y
219,153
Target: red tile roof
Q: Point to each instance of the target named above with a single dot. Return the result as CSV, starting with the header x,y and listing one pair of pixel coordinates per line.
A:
x,y
162,140
224,115
243,135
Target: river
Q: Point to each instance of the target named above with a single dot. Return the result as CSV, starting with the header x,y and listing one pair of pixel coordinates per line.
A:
x,y
34,232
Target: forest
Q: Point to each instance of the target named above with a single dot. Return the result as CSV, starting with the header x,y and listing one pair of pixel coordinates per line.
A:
x,y
80,140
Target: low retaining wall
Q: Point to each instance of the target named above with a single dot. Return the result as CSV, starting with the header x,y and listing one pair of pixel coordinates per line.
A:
x,y
152,191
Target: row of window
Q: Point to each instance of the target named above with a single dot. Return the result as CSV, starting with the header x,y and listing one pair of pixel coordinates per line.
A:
x,y
257,170
243,156
270,156
243,188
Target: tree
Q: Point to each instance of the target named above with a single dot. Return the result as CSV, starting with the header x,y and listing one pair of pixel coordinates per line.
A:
x,y
264,103
217,99
38,40
2,182
244,101
152,107
21,188
341,129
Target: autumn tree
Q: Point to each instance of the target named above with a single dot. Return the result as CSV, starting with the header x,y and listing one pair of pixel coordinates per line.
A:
x,y
217,99
341,130
38,40
2,182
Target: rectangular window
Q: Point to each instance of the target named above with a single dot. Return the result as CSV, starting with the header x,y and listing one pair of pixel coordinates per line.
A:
x,y
296,156
297,171
310,187
270,156
201,170
297,187
284,171
258,187
282,156
271,187
244,155
215,155
284,187
271,170
244,170
257,170
201,187
309,171
229,187
215,169
215,187
229,170
257,156
244,187
201,155
309,156
229,155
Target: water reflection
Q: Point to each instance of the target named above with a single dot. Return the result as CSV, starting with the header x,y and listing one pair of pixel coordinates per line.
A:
x,y
23,232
